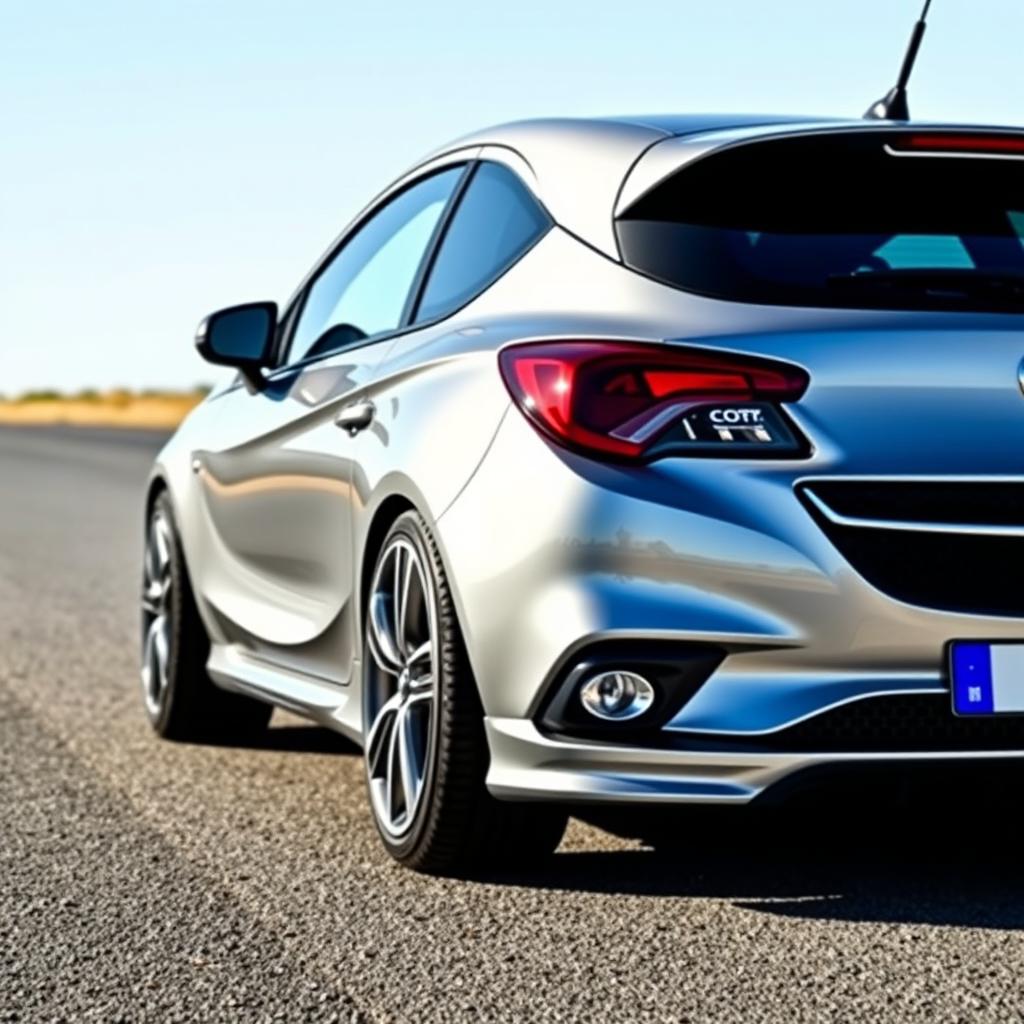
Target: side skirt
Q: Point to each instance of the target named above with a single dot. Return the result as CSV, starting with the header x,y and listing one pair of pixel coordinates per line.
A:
x,y
335,707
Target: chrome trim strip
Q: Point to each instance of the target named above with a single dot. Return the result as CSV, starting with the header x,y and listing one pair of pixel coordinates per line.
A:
x,y
957,153
678,724
653,425
857,522
913,478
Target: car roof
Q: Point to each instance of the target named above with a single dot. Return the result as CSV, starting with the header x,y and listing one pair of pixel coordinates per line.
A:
x,y
586,168
691,124
581,129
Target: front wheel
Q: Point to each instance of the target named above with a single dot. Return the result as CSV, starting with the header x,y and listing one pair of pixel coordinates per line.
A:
x,y
181,701
425,749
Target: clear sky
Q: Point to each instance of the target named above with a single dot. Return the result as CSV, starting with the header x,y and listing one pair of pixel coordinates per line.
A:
x,y
160,159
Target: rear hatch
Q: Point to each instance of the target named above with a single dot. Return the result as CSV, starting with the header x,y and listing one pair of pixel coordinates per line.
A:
x,y
914,411
918,232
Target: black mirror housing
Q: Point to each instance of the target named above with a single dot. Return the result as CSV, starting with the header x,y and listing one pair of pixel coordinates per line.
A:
x,y
240,336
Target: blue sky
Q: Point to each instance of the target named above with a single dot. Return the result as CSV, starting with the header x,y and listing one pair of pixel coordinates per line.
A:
x,y
158,160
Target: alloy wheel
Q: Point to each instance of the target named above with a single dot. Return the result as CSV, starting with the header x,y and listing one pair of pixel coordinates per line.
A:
x,y
401,685
157,585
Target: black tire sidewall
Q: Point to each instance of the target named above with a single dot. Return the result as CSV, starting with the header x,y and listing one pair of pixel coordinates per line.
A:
x,y
403,847
162,507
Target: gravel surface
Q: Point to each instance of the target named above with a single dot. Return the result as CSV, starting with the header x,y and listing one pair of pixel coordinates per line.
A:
x,y
142,880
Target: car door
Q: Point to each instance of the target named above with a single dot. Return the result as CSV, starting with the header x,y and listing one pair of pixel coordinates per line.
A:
x,y
276,572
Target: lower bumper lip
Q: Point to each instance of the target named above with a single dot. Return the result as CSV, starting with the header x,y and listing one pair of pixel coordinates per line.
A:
x,y
525,765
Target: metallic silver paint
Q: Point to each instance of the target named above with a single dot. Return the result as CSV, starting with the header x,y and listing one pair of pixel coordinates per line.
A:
x,y
547,551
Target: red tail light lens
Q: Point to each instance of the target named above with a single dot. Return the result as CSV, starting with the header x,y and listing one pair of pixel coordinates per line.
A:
x,y
638,401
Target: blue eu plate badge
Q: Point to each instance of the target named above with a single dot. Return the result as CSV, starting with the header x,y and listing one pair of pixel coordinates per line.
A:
x,y
987,679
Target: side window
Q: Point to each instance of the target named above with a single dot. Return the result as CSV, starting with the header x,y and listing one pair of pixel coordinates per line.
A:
x,y
363,290
497,220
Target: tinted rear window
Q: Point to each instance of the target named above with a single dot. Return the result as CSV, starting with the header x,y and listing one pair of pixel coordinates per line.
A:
x,y
837,221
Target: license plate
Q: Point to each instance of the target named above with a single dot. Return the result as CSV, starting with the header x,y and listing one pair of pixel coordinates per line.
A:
x,y
987,678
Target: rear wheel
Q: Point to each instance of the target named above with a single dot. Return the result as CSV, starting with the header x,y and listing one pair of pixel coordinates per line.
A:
x,y
181,701
426,752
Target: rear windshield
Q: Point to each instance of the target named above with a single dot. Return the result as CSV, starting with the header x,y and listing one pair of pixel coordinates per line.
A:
x,y
877,220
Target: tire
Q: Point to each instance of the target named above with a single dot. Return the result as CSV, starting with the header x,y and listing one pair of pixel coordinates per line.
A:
x,y
423,726
181,701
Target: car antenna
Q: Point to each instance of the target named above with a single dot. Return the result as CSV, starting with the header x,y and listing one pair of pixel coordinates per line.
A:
x,y
893,106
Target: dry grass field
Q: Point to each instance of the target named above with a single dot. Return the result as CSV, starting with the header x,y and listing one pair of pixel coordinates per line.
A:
x,y
118,408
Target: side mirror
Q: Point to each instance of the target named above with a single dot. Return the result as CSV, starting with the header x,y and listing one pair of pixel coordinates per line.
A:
x,y
240,336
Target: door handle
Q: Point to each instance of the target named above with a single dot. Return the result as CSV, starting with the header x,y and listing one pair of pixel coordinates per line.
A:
x,y
354,418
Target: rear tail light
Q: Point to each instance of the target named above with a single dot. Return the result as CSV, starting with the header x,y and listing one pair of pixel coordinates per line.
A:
x,y
641,401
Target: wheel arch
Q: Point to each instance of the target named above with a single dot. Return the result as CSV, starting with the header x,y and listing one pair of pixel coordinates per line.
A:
x,y
398,500
160,484
383,517
157,485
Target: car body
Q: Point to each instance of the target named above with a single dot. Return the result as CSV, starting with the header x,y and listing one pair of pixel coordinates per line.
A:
x,y
790,601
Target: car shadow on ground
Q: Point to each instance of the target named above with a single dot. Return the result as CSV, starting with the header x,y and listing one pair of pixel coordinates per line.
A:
x,y
297,739
936,861
950,852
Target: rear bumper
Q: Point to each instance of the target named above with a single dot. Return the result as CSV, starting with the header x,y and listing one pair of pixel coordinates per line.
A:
x,y
526,765
551,555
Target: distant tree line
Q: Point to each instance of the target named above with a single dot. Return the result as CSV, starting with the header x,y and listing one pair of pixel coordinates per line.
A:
x,y
117,396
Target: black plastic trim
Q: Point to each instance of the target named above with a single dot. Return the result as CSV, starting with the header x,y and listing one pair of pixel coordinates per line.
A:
x,y
676,670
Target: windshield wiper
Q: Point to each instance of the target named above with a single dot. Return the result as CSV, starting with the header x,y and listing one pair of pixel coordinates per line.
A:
x,y
942,286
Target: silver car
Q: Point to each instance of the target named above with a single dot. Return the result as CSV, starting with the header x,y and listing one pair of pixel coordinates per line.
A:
x,y
646,460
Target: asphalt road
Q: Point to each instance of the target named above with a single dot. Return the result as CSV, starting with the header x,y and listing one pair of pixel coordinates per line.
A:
x,y
142,880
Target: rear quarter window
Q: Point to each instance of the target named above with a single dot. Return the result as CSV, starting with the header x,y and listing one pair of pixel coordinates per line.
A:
x,y
496,222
